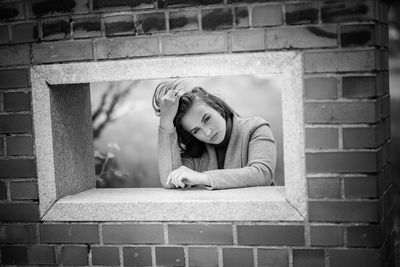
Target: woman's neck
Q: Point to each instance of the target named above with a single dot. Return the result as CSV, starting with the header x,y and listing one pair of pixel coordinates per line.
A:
x,y
227,133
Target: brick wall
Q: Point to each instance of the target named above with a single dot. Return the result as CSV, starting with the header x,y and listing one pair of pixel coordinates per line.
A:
x,y
347,118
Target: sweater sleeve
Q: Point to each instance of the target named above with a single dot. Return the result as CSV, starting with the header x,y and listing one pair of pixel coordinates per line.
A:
x,y
260,166
169,157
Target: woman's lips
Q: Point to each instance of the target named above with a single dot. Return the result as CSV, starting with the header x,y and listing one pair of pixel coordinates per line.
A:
x,y
213,138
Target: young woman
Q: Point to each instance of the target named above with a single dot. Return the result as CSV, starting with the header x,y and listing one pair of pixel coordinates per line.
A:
x,y
202,141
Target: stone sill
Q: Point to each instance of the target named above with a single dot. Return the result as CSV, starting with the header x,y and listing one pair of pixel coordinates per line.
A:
x,y
158,204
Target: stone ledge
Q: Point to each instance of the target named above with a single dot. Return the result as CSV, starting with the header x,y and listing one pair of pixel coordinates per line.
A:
x,y
158,204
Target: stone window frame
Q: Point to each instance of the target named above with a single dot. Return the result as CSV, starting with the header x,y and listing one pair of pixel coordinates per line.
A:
x,y
63,138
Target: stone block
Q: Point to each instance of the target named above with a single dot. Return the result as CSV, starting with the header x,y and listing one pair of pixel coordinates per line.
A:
x,y
267,15
74,255
56,30
170,256
273,257
17,101
14,78
308,258
200,234
302,13
237,257
203,256
86,27
151,22
186,20
15,55
194,44
24,168
326,235
322,138
133,233
24,190
248,40
108,256
271,235
62,51
324,187
216,19
137,256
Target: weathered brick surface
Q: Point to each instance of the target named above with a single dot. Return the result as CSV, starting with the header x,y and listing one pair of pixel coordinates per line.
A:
x,y
329,236
105,5
200,234
320,88
302,37
117,25
273,257
181,3
108,256
359,86
186,20
170,256
152,22
18,123
302,13
19,212
308,258
267,15
344,11
14,78
361,187
248,40
24,32
86,27
69,233
241,17
19,234
19,145
193,44
126,47
324,187
321,138
24,190
62,51
14,255
17,168
17,101
216,19
42,8
133,233
74,255
363,236
42,255
237,257
203,256
56,30
12,11
357,35
137,256
271,235
4,39
363,137
3,191
354,257
14,55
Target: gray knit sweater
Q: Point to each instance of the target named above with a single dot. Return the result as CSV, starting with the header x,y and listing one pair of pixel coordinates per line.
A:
x,y
249,161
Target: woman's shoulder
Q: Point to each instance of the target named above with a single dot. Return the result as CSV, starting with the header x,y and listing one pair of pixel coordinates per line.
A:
x,y
252,122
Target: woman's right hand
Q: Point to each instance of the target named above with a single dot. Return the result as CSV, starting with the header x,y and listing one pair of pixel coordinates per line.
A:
x,y
169,104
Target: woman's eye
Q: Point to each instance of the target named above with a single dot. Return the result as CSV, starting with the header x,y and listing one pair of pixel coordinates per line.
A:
x,y
195,131
207,119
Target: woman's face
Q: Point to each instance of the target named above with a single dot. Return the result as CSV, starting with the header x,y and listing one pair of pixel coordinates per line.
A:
x,y
204,123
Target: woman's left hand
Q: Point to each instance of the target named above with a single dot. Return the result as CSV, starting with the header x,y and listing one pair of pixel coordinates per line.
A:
x,y
185,176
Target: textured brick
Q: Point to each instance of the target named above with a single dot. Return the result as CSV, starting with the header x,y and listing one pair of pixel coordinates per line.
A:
x,y
320,88
42,255
4,35
14,55
200,234
3,191
359,86
202,257
69,233
12,11
324,187
301,13
74,255
249,40
267,15
237,257
86,27
108,256
363,137
119,25
329,236
18,233
152,22
41,8
24,190
361,187
271,235
181,3
183,20
137,256
106,5
133,233
14,255
17,101
19,145
56,30
241,17
357,35
302,37
344,211
170,256
354,257
16,78
363,236
320,138
24,32
341,11
346,112
24,168
192,44
339,61
62,51
21,212
308,258
126,47
273,257
216,19
18,123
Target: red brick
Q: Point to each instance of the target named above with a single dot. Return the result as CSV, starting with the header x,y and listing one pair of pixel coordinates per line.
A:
x,y
320,88
241,17
86,27
302,13
3,191
74,255
24,190
133,233
320,138
301,37
186,20
56,29
363,137
24,168
308,258
105,5
273,257
354,257
194,44
170,256
17,101
18,123
117,25
42,255
344,211
18,233
248,40
357,35
267,15
151,22
361,187
349,161
363,236
12,11
202,256
216,19
42,8
14,255
359,86
69,233
237,257
271,235
4,35
339,61
385,106
108,256
16,78
19,145
24,32
62,51
137,256
200,234
326,187
326,236
125,47
181,3
387,128
14,55
342,112
19,212
344,11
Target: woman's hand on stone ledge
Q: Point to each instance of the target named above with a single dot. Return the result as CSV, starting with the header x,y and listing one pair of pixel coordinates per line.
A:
x,y
184,176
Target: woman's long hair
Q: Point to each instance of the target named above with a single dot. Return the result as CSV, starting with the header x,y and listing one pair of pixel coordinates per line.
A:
x,y
188,144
